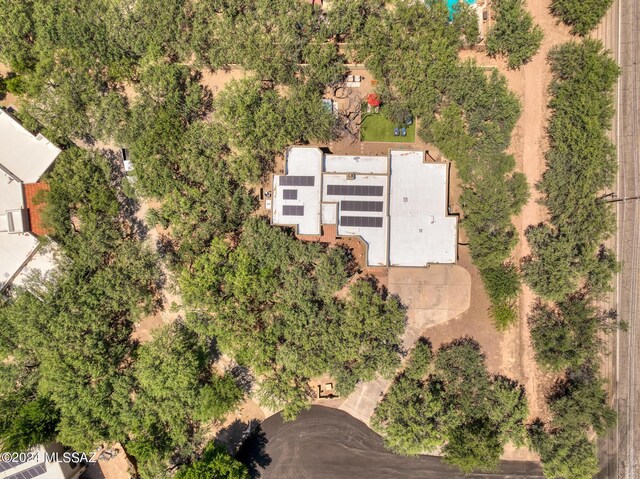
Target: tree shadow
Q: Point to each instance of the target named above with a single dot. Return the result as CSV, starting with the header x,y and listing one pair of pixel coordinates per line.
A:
x,y
93,471
233,436
167,248
243,376
253,453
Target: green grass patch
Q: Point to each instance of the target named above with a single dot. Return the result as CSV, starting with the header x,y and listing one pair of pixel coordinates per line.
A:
x,y
377,127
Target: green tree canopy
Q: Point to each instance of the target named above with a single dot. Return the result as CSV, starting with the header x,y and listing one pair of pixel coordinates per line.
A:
x,y
465,20
565,453
270,305
514,34
263,122
454,404
580,402
569,334
215,462
581,16
410,51
581,154
33,423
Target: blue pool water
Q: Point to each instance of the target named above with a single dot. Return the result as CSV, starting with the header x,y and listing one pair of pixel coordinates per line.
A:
x,y
451,3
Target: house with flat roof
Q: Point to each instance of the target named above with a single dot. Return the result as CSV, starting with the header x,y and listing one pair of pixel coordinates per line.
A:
x,y
24,158
396,204
40,462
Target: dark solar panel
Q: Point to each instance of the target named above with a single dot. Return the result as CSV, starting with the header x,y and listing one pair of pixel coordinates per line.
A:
x,y
361,206
297,180
6,465
30,473
293,210
354,190
290,194
361,221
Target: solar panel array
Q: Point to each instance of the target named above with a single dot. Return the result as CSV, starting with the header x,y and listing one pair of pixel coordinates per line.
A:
x,y
354,190
361,206
5,465
290,194
362,221
293,210
34,471
297,180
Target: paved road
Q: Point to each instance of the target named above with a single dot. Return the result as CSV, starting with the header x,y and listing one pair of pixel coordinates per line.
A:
x,y
619,451
328,443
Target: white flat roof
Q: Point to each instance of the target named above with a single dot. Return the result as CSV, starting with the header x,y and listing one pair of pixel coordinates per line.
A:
x,y
355,164
329,213
15,250
26,156
11,197
397,204
306,163
42,263
420,231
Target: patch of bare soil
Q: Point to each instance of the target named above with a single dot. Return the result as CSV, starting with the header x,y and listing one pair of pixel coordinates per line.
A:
x,y
112,463
9,99
217,80
237,426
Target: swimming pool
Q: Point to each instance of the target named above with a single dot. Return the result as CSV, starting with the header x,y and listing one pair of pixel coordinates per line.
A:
x,y
451,3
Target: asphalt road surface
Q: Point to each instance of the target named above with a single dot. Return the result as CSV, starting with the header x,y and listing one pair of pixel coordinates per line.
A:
x,y
619,451
330,444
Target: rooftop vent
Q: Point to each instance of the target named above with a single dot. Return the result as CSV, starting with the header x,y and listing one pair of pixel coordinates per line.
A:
x,y
351,176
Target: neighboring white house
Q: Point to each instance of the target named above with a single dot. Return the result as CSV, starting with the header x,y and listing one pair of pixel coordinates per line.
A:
x,y
37,463
24,158
397,204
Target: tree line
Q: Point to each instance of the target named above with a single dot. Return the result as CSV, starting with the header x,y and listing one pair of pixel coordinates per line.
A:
x,y
569,266
567,252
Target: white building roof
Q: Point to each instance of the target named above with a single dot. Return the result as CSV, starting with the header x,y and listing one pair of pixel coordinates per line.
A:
x,y
15,251
26,156
420,231
397,204
374,235
40,466
11,196
356,164
296,195
23,159
41,264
